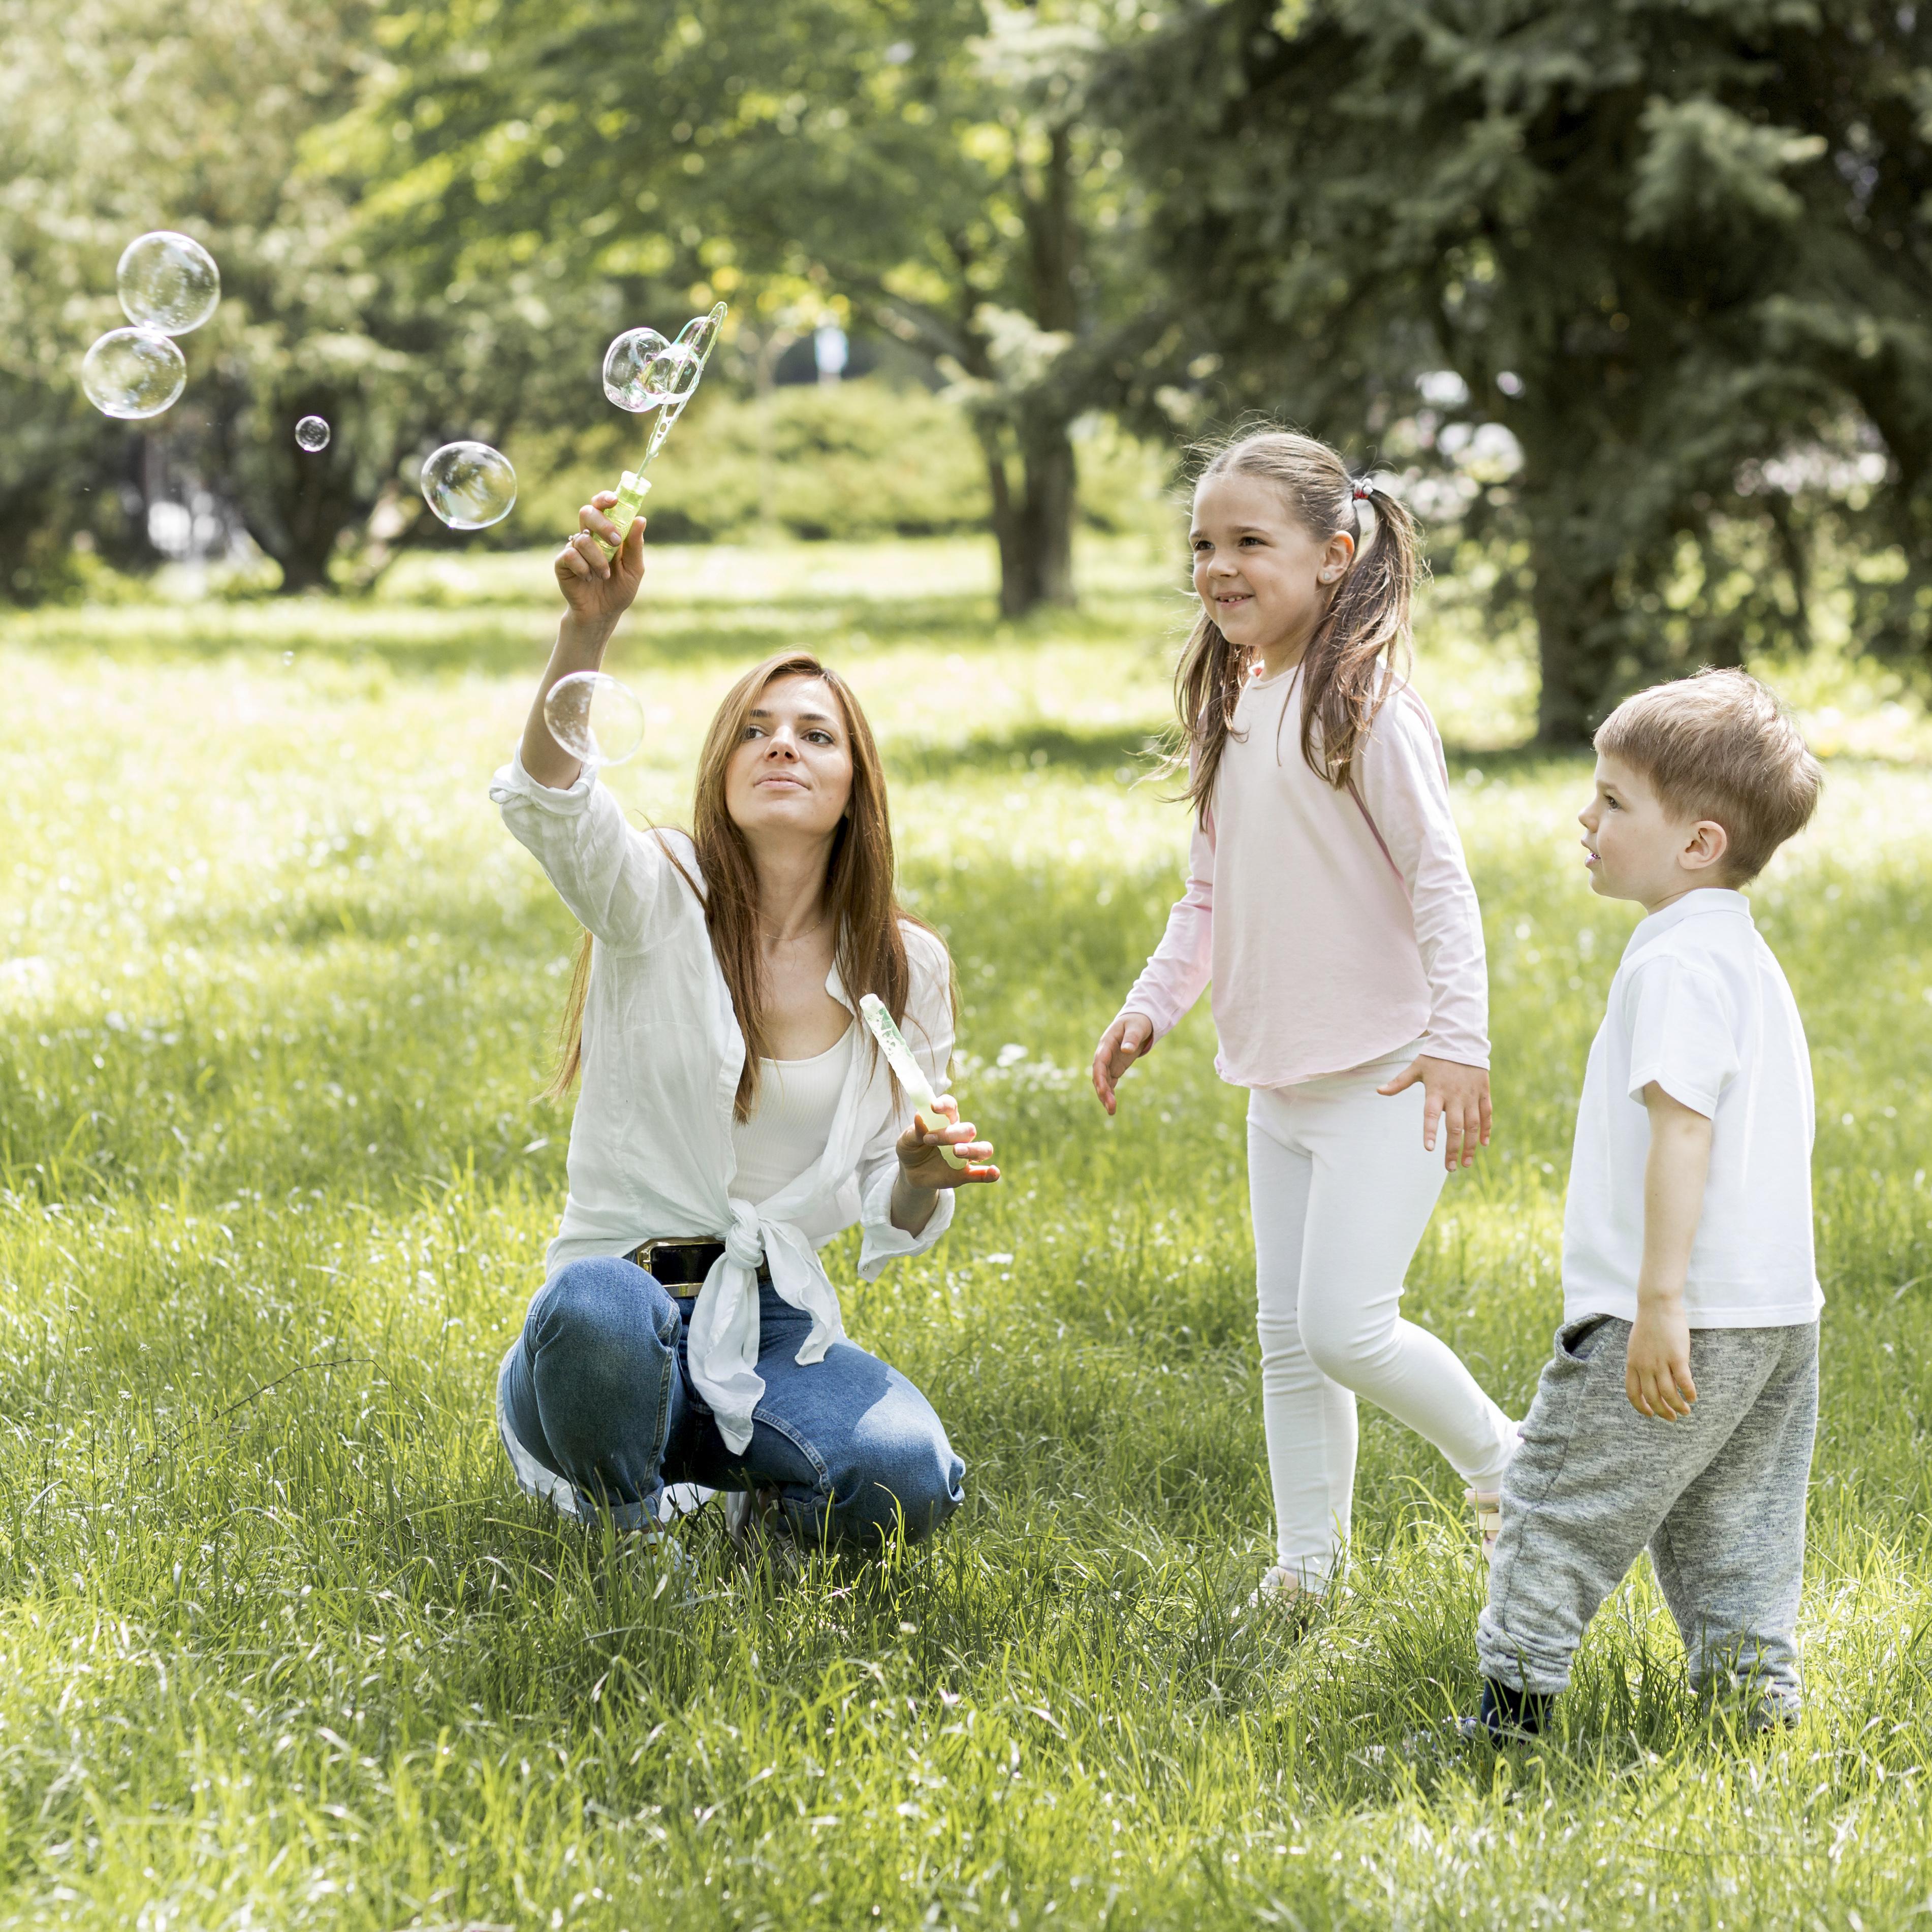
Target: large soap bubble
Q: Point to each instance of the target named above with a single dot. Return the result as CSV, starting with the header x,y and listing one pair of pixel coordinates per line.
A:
x,y
630,364
470,485
597,721
312,434
132,373
675,374
701,333
168,282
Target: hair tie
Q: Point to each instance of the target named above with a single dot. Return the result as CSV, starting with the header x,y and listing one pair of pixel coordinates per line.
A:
x,y
1364,487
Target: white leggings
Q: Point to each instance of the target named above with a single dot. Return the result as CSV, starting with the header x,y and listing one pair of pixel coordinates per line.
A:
x,y
1341,1188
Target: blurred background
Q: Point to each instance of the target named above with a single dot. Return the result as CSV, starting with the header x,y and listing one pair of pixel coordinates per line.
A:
x,y
1631,301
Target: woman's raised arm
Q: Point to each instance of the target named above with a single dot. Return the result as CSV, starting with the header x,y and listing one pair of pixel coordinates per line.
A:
x,y
597,591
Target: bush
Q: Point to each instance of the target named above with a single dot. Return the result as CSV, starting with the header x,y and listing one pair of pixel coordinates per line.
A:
x,y
860,460
856,460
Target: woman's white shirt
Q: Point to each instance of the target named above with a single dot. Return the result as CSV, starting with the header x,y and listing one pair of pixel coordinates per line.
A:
x,y
652,1153
798,1100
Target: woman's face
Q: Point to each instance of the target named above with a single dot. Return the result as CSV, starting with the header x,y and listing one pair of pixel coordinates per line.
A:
x,y
791,771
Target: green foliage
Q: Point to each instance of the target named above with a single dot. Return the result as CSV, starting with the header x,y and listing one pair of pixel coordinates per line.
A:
x,y
283,1647
1681,254
853,460
928,167
119,118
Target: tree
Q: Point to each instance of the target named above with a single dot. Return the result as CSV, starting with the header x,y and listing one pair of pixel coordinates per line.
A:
x,y
116,118
930,166
119,119
1681,254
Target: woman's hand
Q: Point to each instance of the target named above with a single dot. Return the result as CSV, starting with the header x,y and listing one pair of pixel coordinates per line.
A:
x,y
1130,1038
598,589
1457,1096
922,1165
923,1170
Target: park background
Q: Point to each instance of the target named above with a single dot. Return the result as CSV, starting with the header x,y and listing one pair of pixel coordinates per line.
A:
x,y
1629,301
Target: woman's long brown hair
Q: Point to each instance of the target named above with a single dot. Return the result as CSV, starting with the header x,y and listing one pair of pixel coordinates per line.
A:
x,y
1367,618
870,948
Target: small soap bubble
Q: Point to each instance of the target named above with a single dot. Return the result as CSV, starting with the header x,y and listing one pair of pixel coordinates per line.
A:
x,y
312,434
628,364
595,719
470,485
132,373
168,282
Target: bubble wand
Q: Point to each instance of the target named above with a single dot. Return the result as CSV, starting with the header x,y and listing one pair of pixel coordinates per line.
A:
x,y
912,1076
643,372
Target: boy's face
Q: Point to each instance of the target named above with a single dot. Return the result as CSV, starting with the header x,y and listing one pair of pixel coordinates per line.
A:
x,y
1638,849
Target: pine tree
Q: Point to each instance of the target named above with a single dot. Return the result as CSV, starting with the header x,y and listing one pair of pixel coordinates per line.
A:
x,y
1680,252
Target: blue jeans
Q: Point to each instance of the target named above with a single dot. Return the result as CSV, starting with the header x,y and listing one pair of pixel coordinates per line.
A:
x,y
597,1390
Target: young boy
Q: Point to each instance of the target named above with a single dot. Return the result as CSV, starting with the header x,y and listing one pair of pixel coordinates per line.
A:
x,y
1678,1410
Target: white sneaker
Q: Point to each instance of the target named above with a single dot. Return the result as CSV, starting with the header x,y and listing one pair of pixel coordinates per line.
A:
x,y
1488,1506
752,1515
1280,1588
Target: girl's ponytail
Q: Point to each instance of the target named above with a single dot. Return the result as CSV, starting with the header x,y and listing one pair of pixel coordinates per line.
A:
x,y
1367,620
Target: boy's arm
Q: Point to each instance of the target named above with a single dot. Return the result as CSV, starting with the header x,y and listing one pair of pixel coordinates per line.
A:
x,y
1657,1371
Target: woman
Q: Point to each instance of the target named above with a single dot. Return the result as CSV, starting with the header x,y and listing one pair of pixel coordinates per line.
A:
x,y
734,1115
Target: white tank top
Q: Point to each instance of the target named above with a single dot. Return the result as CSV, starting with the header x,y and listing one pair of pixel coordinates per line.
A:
x,y
792,1121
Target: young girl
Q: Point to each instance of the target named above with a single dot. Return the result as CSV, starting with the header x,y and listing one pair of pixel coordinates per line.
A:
x,y
1329,902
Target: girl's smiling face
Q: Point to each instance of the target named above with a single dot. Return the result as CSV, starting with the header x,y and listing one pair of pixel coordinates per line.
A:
x,y
1263,577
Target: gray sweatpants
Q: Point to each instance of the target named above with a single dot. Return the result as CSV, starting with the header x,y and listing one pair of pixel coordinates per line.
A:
x,y
1718,1496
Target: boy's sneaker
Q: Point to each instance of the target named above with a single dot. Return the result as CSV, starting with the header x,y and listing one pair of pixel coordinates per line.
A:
x,y
1508,1717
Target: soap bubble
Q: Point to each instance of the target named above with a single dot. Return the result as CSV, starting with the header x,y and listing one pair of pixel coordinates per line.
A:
x,y
675,373
312,434
132,373
595,719
701,333
168,282
628,365
470,485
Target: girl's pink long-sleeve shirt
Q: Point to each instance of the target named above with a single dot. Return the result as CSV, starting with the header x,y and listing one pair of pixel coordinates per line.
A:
x,y
1336,931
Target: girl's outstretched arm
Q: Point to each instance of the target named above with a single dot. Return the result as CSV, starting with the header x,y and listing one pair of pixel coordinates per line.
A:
x,y
1171,980
1124,1043
597,591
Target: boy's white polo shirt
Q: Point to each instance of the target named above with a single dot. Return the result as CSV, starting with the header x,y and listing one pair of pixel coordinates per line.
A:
x,y
1700,1006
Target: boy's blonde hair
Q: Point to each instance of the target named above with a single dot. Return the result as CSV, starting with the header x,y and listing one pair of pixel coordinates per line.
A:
x,y
1721,746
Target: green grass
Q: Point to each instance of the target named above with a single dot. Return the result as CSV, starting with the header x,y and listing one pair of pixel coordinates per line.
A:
x,y
281,1644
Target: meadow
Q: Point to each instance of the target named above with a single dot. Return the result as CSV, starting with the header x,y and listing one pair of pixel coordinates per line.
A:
x,y
281,1646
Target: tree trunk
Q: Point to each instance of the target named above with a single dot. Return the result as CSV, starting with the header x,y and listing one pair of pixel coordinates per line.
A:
x,y
1050,481
1033,525
1009,521
1579,637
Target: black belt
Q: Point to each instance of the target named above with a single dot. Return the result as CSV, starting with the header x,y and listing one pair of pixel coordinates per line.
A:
x,y
681,1263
